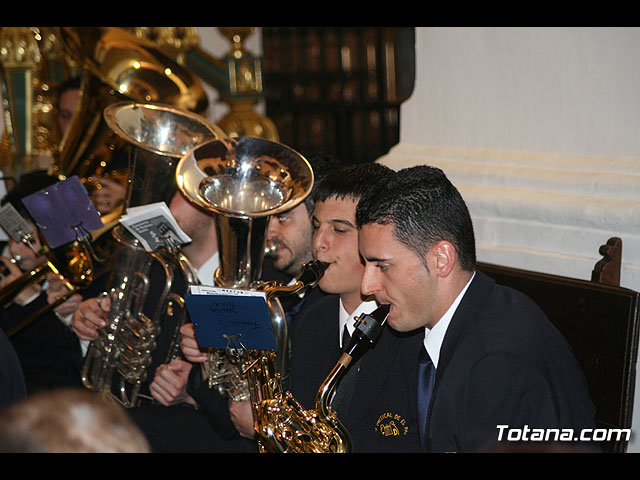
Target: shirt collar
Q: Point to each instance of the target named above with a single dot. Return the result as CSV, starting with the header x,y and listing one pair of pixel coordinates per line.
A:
x,y
433,337
208,269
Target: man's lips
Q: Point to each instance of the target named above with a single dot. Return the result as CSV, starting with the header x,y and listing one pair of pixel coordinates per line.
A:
x,y
277,249
324,260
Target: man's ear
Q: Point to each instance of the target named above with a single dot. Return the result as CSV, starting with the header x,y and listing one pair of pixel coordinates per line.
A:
x,y
444,257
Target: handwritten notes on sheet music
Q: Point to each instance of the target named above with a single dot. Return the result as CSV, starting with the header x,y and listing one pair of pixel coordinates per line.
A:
x,y
224,315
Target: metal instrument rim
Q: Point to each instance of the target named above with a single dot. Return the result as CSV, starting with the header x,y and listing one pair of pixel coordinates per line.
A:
x,y
189,177
111,111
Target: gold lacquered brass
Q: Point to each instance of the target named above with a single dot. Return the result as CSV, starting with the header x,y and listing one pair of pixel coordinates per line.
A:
x,y
135,67
244,181
76,263
117,66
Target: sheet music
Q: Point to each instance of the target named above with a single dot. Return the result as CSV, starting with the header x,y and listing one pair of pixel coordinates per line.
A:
x,y
63,212
154,226
211,290
13,224
225,316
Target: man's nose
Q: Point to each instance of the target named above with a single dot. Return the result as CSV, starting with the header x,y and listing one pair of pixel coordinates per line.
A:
x,y
272,231
319,241
369,284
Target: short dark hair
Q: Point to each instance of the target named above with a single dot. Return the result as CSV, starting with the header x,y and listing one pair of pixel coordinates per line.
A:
x,y
424,207
322,164
350,182
71,83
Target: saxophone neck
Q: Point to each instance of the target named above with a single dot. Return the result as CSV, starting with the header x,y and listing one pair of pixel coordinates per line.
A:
x,y
328,387
311,274
341,441
367,331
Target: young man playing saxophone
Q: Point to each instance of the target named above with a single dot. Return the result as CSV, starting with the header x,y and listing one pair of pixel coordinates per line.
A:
x,y
369,400
492,359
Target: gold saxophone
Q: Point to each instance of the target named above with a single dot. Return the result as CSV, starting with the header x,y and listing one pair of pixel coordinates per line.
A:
x,y
243,181
283,425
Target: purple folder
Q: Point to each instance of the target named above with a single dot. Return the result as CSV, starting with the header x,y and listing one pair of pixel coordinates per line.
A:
x,y
63,212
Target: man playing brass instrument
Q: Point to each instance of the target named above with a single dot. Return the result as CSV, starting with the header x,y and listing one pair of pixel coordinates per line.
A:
x,y
107,189
316,336
48,351
374,410
202,252
209,428
370,400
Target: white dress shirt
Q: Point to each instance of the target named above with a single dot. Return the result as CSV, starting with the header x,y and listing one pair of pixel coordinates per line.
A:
x,y
349,320
208,269
433,337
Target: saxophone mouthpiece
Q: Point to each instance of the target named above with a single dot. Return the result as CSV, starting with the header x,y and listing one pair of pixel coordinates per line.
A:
x,y
381,313
368,328
312,272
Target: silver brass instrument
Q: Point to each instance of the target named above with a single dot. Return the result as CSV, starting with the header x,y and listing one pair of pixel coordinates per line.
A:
x,y
284,426
176,306
244,181
117,67
158,136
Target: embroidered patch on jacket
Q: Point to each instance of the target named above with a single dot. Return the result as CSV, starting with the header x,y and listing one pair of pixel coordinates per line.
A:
x,y
391,425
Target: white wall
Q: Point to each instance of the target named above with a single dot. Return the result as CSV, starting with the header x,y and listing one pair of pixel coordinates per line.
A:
x,y
538,128
561,90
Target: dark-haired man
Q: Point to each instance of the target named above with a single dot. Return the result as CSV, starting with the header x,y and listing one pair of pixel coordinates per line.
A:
x,y
69,93
210,428
107,189
493,361
371,400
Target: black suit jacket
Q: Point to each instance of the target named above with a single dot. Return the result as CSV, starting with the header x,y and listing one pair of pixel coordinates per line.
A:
x,y
12,386
380,416
502,362
48,350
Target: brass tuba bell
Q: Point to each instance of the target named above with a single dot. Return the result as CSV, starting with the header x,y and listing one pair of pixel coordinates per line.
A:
x,y
244,181
117,66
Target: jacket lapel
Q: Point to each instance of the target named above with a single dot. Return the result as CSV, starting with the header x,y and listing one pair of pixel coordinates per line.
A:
x,y
326,348
374,371
475,296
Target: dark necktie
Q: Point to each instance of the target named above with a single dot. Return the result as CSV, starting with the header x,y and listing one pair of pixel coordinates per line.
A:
x,y
345,336
426,380
292,307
